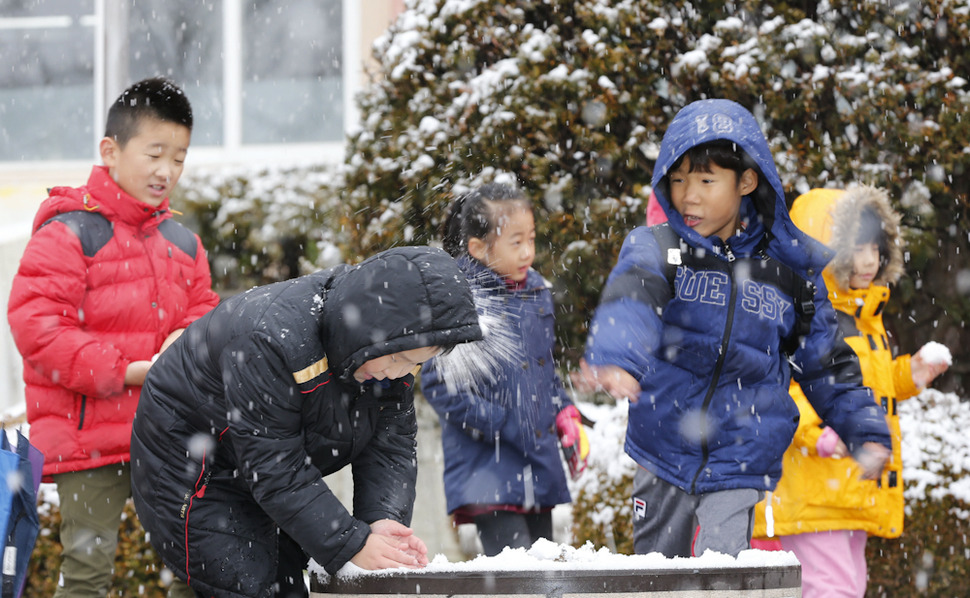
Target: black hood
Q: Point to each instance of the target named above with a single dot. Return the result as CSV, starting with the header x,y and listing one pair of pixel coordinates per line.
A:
x,y
400,299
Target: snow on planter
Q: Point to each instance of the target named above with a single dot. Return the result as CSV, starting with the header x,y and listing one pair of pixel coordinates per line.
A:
x,y
554,570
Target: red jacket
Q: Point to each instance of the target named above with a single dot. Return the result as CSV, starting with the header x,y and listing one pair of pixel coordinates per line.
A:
x,y
91,295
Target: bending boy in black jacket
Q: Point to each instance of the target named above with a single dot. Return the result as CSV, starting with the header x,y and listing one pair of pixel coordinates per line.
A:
x,y
277,387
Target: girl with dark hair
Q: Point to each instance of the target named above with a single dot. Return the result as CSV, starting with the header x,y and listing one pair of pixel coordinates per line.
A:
x,y
502,466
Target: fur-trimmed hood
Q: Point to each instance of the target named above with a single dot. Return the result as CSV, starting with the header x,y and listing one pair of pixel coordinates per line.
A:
x,y
833,217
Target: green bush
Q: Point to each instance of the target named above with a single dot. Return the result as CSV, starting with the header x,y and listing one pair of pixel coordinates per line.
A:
x,y
262,227
602,512
570,98
931,558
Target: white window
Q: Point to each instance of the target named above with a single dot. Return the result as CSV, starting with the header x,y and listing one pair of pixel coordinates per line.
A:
x,y
258,72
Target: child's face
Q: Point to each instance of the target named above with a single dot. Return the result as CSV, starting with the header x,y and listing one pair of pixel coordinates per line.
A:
x,y
150,164
511,249
710,202
865,265
394,365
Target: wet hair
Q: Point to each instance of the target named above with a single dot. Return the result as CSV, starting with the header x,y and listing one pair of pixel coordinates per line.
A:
x,y
476,214
157,98
871,231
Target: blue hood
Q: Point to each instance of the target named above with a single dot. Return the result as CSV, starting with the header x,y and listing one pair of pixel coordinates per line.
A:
x,y
709,120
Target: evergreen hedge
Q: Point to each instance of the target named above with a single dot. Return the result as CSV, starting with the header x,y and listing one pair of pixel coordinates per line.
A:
x,y
570,98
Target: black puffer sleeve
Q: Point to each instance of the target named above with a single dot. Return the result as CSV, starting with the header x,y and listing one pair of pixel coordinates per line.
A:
x,y
386,472
265,427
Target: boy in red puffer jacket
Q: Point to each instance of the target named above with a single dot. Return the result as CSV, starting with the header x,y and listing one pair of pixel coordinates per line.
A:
x,y
108,280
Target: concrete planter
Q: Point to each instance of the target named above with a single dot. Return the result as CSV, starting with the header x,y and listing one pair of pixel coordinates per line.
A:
x,y
519,574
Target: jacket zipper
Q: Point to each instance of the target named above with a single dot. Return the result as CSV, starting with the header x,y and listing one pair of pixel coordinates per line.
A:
x,y
80,420
722,353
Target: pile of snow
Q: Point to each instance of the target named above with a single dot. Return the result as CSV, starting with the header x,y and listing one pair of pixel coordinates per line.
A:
x,y
545,556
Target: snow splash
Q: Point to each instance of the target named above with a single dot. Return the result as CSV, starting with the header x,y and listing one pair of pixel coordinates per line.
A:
x,y
469,367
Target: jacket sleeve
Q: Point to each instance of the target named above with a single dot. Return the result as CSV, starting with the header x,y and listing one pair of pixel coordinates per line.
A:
x,y
201,296
903,378
46,320
390,459
266,430
627,328
827,370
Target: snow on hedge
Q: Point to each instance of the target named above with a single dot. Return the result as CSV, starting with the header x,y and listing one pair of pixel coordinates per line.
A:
x,y
935,448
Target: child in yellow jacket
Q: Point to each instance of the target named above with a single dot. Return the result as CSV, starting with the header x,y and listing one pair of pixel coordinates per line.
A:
x,y
821,510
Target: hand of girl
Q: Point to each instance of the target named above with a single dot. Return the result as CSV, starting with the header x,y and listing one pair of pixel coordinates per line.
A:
x,y
928,363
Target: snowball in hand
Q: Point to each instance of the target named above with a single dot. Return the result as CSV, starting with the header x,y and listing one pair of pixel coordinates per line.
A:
x,y
934,352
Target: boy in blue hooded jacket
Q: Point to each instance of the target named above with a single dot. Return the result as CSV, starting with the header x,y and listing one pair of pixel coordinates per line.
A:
x,y
702,324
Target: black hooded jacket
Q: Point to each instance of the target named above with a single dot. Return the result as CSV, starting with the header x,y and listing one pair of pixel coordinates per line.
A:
x,y
259,396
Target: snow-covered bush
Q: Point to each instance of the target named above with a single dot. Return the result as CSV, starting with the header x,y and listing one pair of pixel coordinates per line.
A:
x,y
932,557
571,98
602,511
263,226
138,570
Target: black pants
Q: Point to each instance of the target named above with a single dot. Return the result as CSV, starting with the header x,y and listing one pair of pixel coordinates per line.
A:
x,y
289,582
224,545
498,529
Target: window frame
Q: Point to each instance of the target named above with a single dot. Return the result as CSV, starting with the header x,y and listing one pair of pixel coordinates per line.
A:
x,y
111,78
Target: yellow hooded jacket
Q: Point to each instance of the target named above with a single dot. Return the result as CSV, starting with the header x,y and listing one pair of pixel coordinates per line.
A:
x,y
822,493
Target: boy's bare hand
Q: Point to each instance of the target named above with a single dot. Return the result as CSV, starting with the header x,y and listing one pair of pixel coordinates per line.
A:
x,y
171,338
391,545
619,383
136,371
872,458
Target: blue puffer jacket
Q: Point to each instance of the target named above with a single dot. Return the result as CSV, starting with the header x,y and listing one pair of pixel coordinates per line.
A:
x,y
499,435
714,411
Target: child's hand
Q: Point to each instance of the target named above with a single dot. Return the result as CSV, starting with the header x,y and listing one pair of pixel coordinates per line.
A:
x,y
830,445
929,362
136,371
610,378
872,458
171,338
391,545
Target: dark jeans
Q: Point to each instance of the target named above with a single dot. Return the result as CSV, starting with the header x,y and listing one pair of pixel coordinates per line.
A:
x,y
499,529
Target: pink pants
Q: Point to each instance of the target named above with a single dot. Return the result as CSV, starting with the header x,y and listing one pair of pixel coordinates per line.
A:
x,y
833,563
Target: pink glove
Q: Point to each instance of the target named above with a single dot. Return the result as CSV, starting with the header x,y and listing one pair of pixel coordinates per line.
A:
x,y
827,443
572,437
